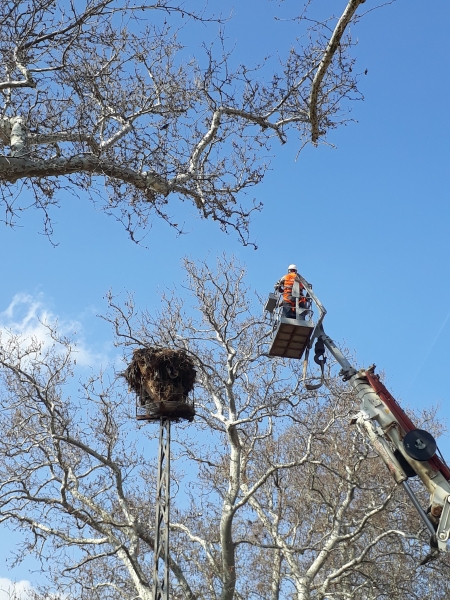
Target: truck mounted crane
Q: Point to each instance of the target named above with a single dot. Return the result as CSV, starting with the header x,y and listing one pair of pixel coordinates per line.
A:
x,y
407,451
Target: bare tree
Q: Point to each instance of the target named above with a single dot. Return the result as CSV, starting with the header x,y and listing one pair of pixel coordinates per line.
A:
x,y
275,495
102,92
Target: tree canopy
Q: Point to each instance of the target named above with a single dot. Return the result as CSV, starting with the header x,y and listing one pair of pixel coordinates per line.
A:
x,y
101,97
275,495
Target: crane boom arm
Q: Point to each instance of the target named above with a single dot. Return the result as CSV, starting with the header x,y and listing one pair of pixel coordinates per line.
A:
x,y
406,450
386,425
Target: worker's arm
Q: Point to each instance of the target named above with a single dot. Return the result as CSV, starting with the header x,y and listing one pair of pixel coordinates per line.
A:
x,y
279,284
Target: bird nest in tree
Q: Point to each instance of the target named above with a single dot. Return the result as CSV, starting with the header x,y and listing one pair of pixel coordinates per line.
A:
x,y
162,379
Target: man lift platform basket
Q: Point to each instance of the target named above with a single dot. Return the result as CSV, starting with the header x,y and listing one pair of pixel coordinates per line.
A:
x,y
290,337
291,315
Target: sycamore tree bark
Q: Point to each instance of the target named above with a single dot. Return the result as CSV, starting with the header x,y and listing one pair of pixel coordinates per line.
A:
x,y
100,97
274,494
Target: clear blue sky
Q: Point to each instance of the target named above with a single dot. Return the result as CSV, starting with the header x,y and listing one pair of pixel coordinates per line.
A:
x,y
367,223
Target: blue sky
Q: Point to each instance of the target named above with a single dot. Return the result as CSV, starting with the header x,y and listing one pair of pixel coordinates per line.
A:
x,y
367,223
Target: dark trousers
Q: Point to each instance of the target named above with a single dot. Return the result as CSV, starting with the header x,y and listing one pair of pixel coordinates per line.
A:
x,y
289,310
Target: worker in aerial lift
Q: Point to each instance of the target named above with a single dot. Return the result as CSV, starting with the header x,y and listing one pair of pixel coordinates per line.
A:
x,y
284,285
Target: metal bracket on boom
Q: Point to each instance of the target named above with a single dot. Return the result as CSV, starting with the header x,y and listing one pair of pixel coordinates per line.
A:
x,y
443,530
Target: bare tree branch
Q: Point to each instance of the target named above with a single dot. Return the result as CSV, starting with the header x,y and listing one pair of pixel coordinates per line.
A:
x,y
328,56
101,96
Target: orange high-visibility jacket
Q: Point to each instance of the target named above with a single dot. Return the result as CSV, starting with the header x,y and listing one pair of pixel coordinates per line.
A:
x,y
287,281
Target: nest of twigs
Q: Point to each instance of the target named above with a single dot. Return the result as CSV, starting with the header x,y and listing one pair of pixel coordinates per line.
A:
x,y
161,376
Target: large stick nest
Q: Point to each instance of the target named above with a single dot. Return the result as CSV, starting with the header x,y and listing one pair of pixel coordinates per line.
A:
x,y
160,375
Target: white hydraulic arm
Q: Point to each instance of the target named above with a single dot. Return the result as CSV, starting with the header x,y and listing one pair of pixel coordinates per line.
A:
x,y
406,450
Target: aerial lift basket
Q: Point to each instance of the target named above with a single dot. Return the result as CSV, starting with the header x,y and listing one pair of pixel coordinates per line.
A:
x,y
290,337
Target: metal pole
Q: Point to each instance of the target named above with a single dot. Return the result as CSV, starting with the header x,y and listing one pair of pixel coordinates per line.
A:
x,y
419,508
161,571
